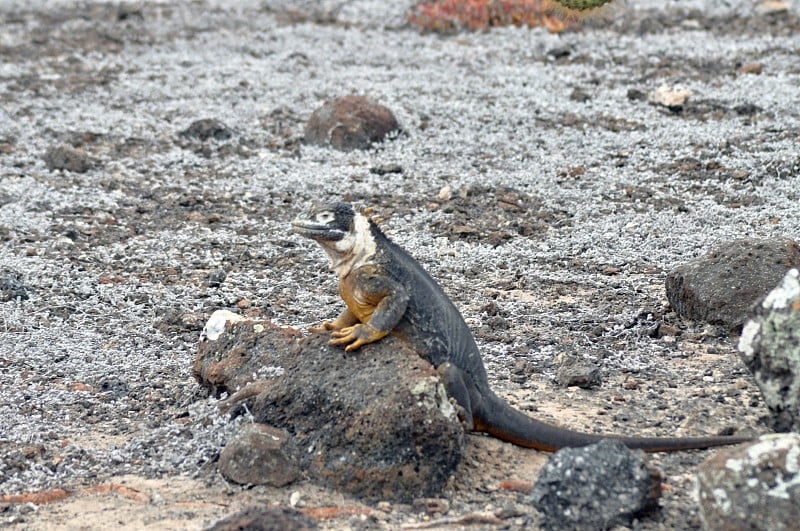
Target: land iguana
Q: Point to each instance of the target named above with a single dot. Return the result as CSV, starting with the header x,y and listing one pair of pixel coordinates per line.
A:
x,y
385,291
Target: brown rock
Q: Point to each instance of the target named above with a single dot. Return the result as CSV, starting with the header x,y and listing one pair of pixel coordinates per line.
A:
x,y
376,423
350,122
722,286
256,456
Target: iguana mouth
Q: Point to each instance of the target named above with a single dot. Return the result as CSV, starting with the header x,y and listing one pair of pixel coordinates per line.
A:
x,y
316,231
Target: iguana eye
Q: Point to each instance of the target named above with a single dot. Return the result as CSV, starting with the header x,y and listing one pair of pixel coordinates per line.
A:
x,y
325,217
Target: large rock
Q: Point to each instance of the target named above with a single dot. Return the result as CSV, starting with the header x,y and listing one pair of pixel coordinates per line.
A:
x,y
722,286
350,122
752,487
376,423
595,487
770,347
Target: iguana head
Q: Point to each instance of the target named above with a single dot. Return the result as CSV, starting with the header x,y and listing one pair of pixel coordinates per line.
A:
x,y
344,234
327,223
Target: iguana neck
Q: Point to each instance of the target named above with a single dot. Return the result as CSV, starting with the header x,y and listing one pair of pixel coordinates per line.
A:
x,y
354,250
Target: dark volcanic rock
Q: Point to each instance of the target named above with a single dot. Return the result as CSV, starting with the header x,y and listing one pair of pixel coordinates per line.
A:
x,y
256,456
376,423
350,122
266,519
12,287
752,487
207,128
770,346
66,157
722,286
595,487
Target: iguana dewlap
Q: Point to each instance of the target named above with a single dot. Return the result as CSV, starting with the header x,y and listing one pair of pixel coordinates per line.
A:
x,y
385,290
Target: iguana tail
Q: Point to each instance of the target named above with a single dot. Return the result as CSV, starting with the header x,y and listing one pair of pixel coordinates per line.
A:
x,y
507,424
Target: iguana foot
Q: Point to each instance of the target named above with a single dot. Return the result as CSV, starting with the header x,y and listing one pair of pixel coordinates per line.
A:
x,y
463,417
323,327
356,336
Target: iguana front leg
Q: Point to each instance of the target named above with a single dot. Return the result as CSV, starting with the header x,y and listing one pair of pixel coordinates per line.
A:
x,y
376,300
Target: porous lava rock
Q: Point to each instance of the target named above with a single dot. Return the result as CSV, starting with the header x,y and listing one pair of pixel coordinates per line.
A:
x,y
350,122
595,487
755,486
376,423
266,519
770,347
722,286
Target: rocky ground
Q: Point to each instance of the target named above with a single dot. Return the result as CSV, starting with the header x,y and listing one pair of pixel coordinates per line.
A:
x,y
535,179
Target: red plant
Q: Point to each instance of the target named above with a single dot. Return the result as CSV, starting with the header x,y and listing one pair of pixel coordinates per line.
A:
x,y
454,15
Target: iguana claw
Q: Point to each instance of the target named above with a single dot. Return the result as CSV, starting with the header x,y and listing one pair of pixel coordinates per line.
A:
x,y
355,336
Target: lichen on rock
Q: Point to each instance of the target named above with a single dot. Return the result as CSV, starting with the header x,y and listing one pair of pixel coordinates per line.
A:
x,y
770,347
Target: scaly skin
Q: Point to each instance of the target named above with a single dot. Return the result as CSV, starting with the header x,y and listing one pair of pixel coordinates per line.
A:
x,y
386,291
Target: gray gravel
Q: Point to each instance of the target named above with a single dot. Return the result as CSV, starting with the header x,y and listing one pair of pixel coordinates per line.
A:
x,y
95,365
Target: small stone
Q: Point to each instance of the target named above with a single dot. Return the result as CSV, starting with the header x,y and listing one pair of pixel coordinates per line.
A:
x,y
664,329
595,487
216,278
207,128
12,287
66,157
431,506
750,68
256,456
295,498
577,372
385,169
580,96
114,387
753,486
772,7
635,94
671,97
348,123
